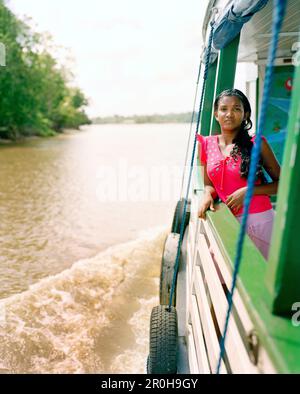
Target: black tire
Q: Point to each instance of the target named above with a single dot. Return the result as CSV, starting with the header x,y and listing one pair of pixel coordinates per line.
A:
x,y
167,270
163,341
179,211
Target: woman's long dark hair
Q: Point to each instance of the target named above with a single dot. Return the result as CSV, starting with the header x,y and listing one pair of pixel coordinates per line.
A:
x,y
242,142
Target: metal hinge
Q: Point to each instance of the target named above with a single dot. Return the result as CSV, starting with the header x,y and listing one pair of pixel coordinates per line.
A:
x,y
253,346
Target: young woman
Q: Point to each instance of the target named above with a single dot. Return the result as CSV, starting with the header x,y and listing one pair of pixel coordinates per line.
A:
x,y
226,160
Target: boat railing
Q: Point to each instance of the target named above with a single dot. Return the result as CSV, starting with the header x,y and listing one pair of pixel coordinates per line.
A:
x,y
208,276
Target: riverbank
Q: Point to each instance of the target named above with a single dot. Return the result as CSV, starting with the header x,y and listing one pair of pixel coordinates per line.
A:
x,y
184,117
24,138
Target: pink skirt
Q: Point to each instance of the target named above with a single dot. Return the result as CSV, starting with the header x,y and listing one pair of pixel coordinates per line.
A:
x,y
259,229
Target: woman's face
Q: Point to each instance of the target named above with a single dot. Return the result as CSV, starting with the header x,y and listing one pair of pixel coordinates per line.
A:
x,y
230,113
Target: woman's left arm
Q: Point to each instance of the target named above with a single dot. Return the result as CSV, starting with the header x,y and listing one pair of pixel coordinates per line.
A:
x,y
272,167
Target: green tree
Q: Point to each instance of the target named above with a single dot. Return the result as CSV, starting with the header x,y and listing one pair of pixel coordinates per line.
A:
x,y
36,97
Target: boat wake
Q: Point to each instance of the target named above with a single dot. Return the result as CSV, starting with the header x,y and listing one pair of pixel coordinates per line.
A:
x,y
91,318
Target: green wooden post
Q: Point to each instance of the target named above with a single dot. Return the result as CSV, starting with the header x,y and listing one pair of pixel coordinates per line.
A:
x,y
225,74
207,110
221,76
283,274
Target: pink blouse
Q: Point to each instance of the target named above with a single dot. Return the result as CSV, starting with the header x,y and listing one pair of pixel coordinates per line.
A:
x,y
224,173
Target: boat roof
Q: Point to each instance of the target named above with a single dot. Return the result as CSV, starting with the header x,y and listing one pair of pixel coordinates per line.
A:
x,y
256,33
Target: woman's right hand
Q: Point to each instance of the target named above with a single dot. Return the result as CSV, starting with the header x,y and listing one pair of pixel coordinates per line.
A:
x,y
206,203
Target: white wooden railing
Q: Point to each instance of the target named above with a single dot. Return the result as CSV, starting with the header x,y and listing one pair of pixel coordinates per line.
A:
x,y
208,278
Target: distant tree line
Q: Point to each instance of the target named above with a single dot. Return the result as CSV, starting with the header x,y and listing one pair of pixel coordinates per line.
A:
x,y
36,93
184,117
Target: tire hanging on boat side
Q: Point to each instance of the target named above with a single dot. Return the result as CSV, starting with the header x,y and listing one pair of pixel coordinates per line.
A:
x,y
179,211
167,269
162,357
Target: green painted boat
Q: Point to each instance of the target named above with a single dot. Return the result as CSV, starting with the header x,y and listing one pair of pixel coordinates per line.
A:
x,y
264,328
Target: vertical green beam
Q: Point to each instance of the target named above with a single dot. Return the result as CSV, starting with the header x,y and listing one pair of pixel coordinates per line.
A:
x,y
225,74
283,274
207,110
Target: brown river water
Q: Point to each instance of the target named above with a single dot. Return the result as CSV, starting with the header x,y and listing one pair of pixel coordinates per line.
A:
x,y
84,217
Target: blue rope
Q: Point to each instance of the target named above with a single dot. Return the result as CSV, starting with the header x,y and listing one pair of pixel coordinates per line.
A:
x,y
278,14
188,144
192,163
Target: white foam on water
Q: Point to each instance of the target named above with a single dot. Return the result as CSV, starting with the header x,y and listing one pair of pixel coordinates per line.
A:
x,y
135,360
52,327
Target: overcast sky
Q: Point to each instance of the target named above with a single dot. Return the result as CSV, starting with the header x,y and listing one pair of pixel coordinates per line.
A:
x,y
131,56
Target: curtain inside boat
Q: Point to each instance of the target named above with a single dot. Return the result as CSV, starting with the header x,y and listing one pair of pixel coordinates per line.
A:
x,y
233,19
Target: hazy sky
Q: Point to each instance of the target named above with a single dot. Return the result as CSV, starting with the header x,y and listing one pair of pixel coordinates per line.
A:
x,y
131,56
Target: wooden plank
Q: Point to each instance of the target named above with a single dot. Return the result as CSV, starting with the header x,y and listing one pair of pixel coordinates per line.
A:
x,y
194,213
227,276
192,243
210,335
181,299
203,363
239,361
189,264
193,364
191,239
194,252
264,363
188,293
183,361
